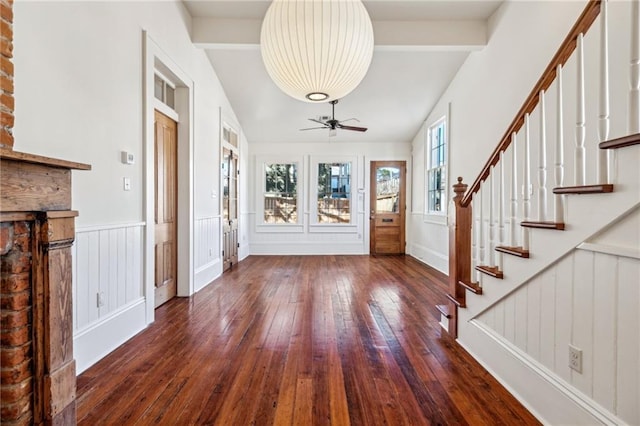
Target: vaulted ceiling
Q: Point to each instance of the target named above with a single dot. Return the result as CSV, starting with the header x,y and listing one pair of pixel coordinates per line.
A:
x,y
419,47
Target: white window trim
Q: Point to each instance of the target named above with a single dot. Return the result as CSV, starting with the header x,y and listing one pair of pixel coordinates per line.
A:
x,y
429,215
261,162
314,225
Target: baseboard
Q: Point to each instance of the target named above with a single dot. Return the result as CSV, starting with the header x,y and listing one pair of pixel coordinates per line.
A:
x,y
207,273
430,257
93,343
307,248
547,396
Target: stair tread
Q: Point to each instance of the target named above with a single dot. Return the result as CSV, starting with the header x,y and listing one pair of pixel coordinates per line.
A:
x,y
622,142
490,270
444,310
473,287
514,251
543,225
584,189
458,303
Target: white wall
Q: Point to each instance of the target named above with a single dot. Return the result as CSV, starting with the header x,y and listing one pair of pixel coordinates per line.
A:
x,y
79,96
305,239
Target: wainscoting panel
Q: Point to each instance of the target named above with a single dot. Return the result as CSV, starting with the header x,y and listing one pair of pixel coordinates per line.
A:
x,y
207,250
107,271
108,296
591,300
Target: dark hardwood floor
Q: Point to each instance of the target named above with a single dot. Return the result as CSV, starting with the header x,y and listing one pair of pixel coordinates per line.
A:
x,y
300,340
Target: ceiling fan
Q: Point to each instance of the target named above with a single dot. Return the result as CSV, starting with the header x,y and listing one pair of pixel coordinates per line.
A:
x,y
332,124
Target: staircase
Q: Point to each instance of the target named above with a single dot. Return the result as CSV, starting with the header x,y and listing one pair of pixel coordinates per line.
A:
x,y
506,229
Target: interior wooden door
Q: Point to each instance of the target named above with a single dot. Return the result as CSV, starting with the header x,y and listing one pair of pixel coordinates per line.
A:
x,y
387,218
166,156
229,208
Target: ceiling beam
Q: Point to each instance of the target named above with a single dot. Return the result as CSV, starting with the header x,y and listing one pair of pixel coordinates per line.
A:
x,y
450,35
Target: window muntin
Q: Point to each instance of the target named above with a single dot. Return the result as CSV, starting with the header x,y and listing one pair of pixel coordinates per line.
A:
x,y
436,168
334,193
280,193
164,91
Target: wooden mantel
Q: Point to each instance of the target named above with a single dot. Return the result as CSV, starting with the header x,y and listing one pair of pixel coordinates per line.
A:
x,y
38,378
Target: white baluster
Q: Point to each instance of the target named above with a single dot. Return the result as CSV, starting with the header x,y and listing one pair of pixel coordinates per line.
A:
x,y
542,163
513,205
500,210
492,224
559,169
603,122
580,166
526,189
634,93
480,232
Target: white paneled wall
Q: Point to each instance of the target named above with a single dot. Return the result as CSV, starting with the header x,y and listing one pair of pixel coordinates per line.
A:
x,y
107,271
207,250
591,300
207,241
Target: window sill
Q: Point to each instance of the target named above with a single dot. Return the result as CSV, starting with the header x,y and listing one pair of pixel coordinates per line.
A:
x,y
437,219
286,228
333,228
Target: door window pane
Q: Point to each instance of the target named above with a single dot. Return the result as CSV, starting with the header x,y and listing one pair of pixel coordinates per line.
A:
x,y
387,189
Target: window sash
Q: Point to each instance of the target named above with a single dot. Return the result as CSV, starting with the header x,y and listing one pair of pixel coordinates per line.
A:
x,y
436,168
280,196
333,201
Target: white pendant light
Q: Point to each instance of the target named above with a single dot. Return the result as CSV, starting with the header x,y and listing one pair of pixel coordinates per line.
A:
x,y
317,50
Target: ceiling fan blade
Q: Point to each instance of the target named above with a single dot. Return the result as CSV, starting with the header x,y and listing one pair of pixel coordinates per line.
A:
x,y
349,119
313,128
318,121
354,128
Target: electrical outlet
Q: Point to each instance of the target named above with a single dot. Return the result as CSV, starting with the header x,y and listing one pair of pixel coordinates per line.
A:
x,y
100,299
575,359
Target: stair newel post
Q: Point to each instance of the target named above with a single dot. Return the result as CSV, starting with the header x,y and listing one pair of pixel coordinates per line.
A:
x,y
459,254
500,210
542,162
580,166
492,224
475,247
481,237
603,122
526,185
559,165
513,205
634,93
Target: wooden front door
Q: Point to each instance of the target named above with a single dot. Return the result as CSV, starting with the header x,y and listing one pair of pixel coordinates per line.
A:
x,y
229,208
166,167
387,219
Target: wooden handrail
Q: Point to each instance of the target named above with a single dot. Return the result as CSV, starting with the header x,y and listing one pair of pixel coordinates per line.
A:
x,y
582,25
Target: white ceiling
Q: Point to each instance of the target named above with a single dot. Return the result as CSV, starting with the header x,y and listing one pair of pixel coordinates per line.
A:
x,y
420,45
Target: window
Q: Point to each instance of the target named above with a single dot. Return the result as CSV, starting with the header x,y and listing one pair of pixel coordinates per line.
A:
x,y
164,91
281,193
334,193
436,168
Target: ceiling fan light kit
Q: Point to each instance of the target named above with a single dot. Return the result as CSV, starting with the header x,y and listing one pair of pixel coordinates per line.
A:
x,y
317,50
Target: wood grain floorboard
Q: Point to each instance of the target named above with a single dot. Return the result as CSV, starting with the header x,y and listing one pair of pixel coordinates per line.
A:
x,y
300,340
